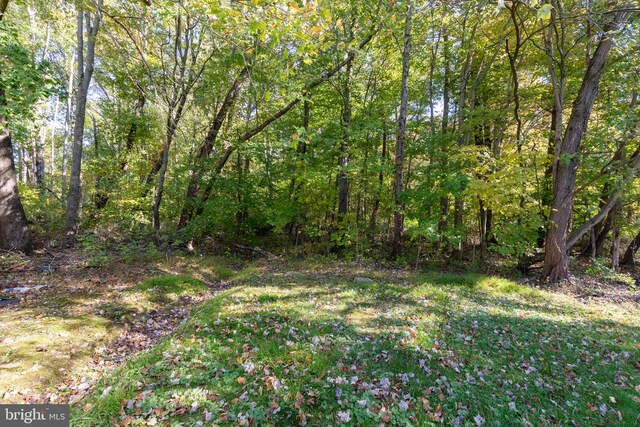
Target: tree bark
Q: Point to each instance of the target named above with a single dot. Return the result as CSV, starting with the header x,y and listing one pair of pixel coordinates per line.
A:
x,y
67,125
172,123
14,232
138,109
376,200
398,215
85,72
39,152
443,223
628,257
343,161
556,263
615,247
184,79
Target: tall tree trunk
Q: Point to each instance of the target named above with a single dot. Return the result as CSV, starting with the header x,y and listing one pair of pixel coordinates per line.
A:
x,y
376,200
343,162
615,248
52,166
398,215
558,86
444,200
20,167
14,232
162,173
556,263
458,202
67,125
85,71
39,152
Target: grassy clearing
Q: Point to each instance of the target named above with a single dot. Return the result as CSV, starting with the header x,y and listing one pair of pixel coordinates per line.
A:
x,y
54,334
314,347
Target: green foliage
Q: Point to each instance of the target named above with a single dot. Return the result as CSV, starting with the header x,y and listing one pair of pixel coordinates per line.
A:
x,y
23,81
600,268
487,157
43,209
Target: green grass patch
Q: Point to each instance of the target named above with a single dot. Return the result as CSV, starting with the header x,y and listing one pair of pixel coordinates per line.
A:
x,y
166,289
316,349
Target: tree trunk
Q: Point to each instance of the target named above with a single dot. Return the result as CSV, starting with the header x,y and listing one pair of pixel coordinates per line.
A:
x,y
556,263
138,109
343,162
615,248
559,86
162,173
14,232
85,71
376,200
398,215
39,152
627,258
444,200
67,126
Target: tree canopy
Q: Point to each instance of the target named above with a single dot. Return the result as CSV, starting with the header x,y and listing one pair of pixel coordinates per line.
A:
x,y
418,130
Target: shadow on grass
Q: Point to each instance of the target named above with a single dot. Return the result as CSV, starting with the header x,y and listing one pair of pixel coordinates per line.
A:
x,y
56,331
277,354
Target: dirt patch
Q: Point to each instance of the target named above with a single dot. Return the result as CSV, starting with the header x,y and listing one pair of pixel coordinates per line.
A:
x,y
68,324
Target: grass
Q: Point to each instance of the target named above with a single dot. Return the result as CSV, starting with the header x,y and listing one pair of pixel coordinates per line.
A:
x,y
313,347
55,333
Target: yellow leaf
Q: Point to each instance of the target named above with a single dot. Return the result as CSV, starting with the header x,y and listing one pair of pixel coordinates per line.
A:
x,y
307,61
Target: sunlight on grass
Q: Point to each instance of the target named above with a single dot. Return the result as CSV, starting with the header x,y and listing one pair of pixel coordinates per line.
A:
x,y
39,353
283,350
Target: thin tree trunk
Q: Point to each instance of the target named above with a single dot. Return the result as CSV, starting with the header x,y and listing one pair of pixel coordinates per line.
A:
x,y
398,215
85,71
615,248
52,166
39,158
376,200
67,125
444,200
170,133
343,162
138,109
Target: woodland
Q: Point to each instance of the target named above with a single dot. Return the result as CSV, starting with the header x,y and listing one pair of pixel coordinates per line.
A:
x,y
296,212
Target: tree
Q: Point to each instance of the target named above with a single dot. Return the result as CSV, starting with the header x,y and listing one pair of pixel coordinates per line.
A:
x,y
85,72
14,231
556,263
398,216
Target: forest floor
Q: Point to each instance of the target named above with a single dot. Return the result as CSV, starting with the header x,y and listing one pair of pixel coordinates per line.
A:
x,y
207,341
